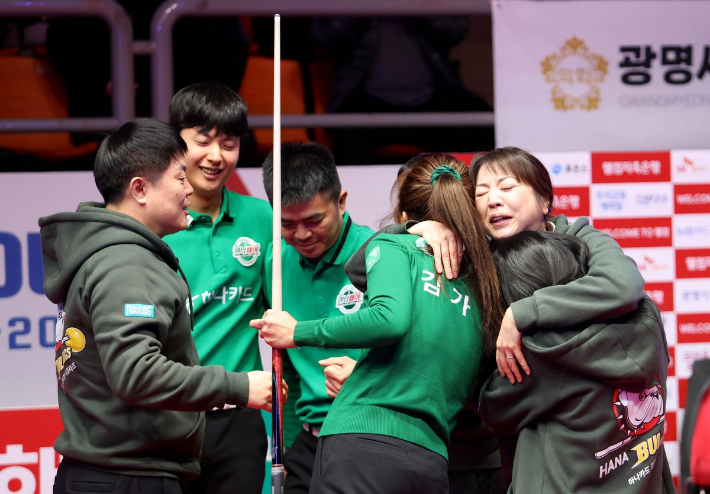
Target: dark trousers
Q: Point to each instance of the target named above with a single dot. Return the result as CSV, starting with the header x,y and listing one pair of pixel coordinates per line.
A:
x,y
233,454
372,463
75,478
480,481
298,462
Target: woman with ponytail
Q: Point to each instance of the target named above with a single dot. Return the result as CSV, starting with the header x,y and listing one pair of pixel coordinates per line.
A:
x,y
423,338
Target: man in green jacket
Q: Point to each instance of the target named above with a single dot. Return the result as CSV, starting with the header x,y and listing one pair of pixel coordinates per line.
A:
x,y
222,253
318,238
131,391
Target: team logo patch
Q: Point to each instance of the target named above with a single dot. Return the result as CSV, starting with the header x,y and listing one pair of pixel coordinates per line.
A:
x,y
246,251
636,414
422,245
139,310
349,299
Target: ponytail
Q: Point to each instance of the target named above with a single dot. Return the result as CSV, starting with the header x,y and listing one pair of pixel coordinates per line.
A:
x,y
438,188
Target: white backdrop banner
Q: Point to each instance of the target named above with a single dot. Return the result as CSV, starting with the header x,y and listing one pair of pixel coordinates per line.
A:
x,y
602,75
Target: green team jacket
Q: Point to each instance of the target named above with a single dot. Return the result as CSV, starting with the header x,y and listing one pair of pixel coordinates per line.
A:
x,y
312,291
423,347
131,390
223,262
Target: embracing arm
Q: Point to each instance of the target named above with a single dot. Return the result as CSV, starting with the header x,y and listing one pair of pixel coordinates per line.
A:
x,y
355,267
612,287
387,317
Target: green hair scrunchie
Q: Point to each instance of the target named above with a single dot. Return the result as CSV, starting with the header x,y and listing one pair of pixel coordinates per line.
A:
x,y
442,170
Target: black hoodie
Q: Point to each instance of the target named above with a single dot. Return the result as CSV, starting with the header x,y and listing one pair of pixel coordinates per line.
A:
x,y
131,390
591,413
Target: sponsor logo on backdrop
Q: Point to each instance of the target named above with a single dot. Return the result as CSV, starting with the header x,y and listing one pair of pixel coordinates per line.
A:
x,y
692,198
686,355
568,169
571,201
692,296
677,60
632,200
691,230
349,299
638,232
654,268
631,167
693,328
575,73
661,294
693,263
691,166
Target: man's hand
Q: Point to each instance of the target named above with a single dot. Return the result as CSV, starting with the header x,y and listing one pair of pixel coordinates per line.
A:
x,y
337,370
445,245
260,390
276,328
508,350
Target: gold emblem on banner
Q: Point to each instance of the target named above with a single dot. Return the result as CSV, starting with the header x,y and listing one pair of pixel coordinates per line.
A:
x,y
575,73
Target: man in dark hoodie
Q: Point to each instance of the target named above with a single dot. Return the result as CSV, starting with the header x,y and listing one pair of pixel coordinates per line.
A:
x,y
131,391
591,413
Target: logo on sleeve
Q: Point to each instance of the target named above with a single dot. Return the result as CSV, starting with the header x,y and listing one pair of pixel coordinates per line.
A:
x,y
246,251
139,310
373,258
349,299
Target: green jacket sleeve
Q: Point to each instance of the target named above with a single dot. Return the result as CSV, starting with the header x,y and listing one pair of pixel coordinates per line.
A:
x,y
385,320
355,267
612,287
130,347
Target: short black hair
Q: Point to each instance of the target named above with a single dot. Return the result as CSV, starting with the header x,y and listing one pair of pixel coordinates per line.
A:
x,y
142,147
530,260
209,106
307,168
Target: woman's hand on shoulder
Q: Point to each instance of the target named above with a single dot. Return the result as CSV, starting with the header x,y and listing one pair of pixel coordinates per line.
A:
x,y
445,245
509,350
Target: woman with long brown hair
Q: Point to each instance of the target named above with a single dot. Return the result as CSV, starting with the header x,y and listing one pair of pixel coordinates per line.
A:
x,y
423,338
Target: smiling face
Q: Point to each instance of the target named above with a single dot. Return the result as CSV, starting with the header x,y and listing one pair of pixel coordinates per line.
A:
x,y
507,205
211,159
314,226
166,200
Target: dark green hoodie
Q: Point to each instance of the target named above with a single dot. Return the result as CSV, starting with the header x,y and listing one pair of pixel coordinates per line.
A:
x,y
591,413
131,390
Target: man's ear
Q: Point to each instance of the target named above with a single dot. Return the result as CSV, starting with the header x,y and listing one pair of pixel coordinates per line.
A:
x,y
341,202
138,189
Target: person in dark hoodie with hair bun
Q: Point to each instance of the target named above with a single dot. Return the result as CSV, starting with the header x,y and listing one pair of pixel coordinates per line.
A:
x,y
591,414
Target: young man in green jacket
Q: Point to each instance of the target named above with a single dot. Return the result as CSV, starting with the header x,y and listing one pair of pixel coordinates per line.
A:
x,y
222,252
318,238
131,390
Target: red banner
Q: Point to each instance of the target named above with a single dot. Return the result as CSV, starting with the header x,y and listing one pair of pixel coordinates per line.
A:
x,y
691,199
661,294
631,167
638,232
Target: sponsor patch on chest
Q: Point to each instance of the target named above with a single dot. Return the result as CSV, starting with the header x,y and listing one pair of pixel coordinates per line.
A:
x,y
349,299
246,251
